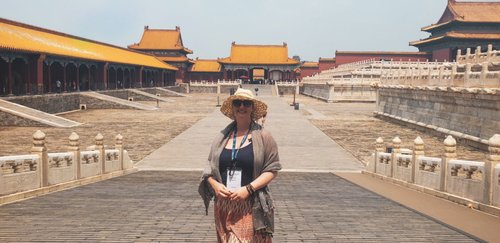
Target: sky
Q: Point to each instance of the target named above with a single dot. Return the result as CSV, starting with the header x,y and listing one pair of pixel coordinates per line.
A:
x,y
311,28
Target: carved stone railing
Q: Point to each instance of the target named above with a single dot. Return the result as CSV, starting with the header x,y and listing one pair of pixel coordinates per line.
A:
x,y
478,57
479,70
41,169
477,181
219,86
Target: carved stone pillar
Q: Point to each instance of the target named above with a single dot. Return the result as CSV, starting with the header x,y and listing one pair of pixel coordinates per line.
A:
x,y
396,146
492,161
74,146
450,153
43,163
379,148
418,150
119,146
99,145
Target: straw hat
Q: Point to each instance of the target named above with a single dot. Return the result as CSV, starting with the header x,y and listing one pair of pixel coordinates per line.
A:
x,y
259,107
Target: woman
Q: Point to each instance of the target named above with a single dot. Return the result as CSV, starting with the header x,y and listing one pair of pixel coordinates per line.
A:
x,y
243,160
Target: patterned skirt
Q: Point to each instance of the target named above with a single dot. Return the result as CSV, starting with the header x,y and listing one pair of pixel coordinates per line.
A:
x,y
234,222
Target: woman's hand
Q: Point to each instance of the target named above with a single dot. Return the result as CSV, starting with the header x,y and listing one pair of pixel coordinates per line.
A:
x,y
241,194
220,190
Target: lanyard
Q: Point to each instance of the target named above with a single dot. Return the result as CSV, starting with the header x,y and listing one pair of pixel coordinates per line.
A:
x,y
234,151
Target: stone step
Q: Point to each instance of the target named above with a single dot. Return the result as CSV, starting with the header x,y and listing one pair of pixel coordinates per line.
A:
x,y
35,115
131,104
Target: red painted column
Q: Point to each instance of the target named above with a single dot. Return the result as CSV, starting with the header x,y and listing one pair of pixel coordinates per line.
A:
x,y
105,76
88,77
64,78
9,78
27,66
50,77
39,74
78,77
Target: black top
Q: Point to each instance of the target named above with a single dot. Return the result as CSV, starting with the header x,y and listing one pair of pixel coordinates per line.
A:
x,y
243,162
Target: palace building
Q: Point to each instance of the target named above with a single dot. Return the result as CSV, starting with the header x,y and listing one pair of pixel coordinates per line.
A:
x,y
166,45
463,25
259,62
205,69
34,60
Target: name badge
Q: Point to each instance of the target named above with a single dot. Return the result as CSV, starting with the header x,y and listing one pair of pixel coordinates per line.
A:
x,y
233,179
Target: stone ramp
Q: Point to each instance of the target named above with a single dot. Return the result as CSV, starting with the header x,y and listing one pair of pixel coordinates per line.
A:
x,y
152,96
264,90
30,116
173,93
302,146
119,103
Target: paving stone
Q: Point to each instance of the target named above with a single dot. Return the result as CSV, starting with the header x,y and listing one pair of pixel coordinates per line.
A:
x,y
164,206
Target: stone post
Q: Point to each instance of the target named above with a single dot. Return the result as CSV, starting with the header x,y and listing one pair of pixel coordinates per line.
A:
x,y
478,53
331,92
489,53
489,168
467,54
218,88
450,153
119,146
396,146
484,72
99,145
379,148
459,54
75,148
453,74
467,74
43,160
418,150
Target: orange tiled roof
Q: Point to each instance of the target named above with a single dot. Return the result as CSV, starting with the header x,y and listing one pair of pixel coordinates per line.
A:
x,y
208,66
480,12
259,54
324,59
458,35
161,39
310,64
25,38
381,53
173,59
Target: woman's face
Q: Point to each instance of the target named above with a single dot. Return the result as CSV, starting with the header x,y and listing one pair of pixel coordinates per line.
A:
x,y
242,109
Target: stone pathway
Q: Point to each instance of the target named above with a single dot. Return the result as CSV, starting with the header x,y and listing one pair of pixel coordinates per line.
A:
x,y
302,146
161,203
164,206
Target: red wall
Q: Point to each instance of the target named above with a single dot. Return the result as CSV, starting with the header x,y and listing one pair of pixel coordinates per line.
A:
x,y
441,55
307,71
327,65
342,58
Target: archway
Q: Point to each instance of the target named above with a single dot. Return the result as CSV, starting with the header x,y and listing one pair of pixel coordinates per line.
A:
x,y
276,75
111,78
56,77
19,79
119,78
70,82
93,79
84,80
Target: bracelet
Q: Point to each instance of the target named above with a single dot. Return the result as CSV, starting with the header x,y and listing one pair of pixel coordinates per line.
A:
x,y
250,189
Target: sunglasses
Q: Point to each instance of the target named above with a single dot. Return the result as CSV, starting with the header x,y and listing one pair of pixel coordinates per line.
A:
x,y
246,103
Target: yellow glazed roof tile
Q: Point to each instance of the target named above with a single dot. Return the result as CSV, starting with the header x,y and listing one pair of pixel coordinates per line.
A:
x,y
161,39
20,37
259,54
206,66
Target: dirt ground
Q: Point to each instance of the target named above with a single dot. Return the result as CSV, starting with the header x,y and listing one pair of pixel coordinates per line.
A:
x,y
142,131
351,125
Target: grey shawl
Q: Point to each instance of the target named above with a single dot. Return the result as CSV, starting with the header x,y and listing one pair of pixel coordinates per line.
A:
x,y
266,159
